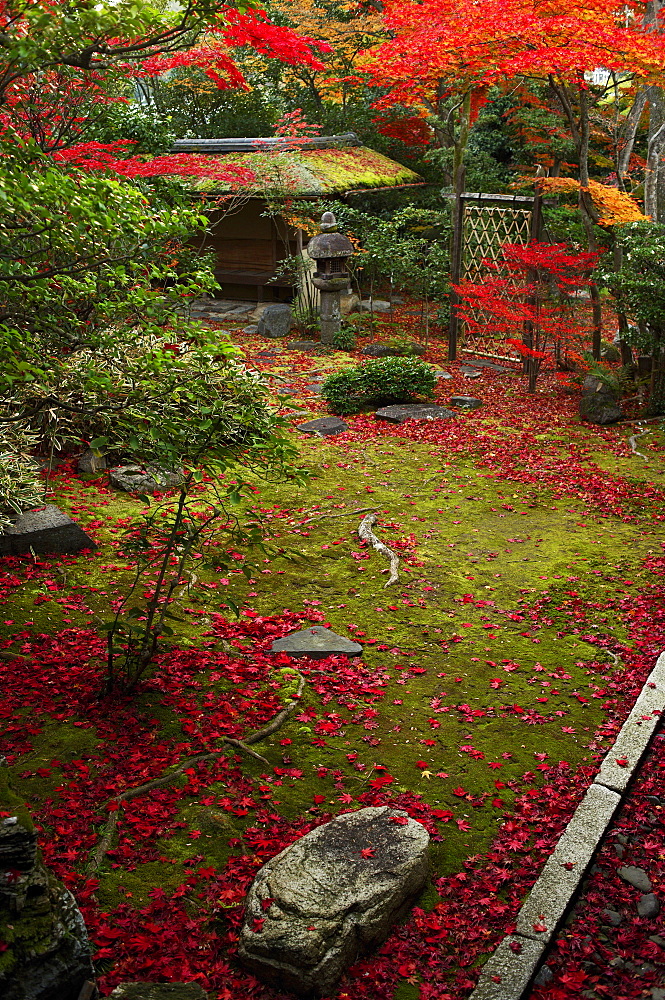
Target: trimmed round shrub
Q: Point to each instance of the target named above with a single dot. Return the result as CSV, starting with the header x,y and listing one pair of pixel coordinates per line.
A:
x,y
376,383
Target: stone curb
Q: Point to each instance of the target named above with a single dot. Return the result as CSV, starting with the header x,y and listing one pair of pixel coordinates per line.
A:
x,y
509,972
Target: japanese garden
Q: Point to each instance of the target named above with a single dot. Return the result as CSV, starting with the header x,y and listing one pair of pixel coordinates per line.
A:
x,y
332,490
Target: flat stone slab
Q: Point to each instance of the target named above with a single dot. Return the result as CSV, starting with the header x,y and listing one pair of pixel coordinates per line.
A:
x,y
308,346
332,895
508,972
44,530
386,351
466,402
140,479
325,426
565,868
444,375
398,413
316,642
158,991
470,372
635,735
490,365
314,388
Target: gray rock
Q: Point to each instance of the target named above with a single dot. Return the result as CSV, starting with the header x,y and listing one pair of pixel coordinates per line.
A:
x,y
657,993
148,479
490,365
158,991
611,917
658,940
326,426
307,346
316,642
252,328
466,402
386,351
598,403
44,530
349,303
609,352
329,903
637,877
315,388
545,976
91,461
375,305
276,321
470,372
48,953
648,906
398,413
444,375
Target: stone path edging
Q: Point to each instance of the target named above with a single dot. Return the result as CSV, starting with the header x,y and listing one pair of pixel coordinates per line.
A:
x,y
510,971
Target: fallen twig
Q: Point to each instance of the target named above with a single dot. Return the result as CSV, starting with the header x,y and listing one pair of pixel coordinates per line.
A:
x,y
345,513
131,793
366,534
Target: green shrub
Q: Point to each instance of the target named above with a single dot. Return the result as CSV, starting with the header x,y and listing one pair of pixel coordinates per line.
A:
x,y
344,340
387,380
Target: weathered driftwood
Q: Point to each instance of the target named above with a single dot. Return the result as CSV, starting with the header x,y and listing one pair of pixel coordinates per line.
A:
x,y
366,534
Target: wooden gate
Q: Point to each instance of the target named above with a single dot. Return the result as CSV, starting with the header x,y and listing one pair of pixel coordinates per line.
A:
x,y
485,222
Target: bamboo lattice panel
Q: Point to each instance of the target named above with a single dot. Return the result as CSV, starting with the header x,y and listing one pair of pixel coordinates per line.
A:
x,y
485,228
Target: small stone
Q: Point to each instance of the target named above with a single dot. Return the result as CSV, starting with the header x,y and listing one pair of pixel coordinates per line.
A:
x,y
349,303
307,346
611,917
398,413
158,991
657,993
315,388
620,850
465,402
616,963
648,906
609,352
317,643
91,461
544,977
137,479
44,530
252,328
276,321
470,373
330,897
490,365
444,375
658,940
375,305
636,877
326,426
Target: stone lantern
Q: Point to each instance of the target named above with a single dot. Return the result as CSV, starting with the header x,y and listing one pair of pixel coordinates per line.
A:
x,y
331,251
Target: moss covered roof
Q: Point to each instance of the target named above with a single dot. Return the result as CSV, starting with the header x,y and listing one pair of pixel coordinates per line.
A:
x,y
312,172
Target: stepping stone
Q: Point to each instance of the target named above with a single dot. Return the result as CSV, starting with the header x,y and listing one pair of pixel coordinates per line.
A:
x,y
326,426
44,530
308,346
314,388
465,402
481,363
317,643
445,375
386,351
400,412
470,373
158,991
252,328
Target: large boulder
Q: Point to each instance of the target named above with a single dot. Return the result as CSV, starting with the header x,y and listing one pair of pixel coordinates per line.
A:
x,y
405,349
44,530
46,953
598,403
276,321
331,896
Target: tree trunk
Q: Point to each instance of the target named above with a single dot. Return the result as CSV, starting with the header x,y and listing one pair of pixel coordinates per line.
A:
x,y
458,208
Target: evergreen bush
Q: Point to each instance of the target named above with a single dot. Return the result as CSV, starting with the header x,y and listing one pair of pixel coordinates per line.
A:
x,y
386,380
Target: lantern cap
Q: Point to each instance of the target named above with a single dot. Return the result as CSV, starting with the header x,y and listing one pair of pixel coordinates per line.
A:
x,y
329,243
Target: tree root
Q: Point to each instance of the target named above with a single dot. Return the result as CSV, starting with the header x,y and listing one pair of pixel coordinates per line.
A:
x,y
346,513
366,534
632,441
243,745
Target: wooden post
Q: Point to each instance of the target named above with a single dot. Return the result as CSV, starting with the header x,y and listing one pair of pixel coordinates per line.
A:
x,y
456,261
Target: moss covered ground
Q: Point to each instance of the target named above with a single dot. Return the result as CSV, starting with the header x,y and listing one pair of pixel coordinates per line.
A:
x,y
493,654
